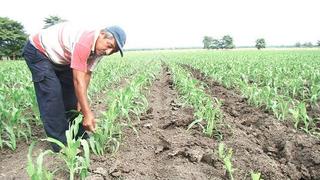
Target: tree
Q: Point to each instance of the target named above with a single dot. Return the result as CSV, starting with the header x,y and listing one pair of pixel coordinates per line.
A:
x,y
307,44
298,44
227,42
206,42
260,43
52,20
221,44
12,38
318,43
215,44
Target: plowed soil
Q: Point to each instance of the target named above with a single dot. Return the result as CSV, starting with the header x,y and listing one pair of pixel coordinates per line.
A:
x,y
164,149
262,143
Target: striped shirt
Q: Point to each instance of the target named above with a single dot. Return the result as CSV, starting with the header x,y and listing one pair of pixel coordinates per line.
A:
x,y
66,44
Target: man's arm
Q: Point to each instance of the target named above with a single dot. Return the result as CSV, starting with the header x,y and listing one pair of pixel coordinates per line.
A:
x,y
81,82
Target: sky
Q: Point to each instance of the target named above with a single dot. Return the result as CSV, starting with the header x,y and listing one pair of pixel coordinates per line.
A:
x,y
180,23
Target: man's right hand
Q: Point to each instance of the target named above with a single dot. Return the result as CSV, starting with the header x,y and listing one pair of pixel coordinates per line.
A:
x,y
89,123
81,82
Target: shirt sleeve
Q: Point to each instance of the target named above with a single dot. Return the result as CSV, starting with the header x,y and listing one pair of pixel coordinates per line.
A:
x,y
81,51
79,57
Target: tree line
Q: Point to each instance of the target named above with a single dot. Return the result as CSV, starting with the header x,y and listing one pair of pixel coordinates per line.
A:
x,y
307,44
13,36
227,43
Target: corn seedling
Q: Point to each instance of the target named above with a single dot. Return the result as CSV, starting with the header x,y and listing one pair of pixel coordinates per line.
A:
x,y
76,163
11,143
192,92
225,155
256,176
122,105
37,171
301,117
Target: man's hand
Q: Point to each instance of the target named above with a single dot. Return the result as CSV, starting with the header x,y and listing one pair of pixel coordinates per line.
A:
x,y
89,122
81,82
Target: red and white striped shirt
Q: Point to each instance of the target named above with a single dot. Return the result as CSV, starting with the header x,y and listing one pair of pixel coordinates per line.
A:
x,y
66,44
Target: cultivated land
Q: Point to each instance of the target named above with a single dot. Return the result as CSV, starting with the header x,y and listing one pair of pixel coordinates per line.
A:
x,y
164,115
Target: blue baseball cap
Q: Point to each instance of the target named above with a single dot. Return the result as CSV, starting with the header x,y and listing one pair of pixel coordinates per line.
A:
x,y
119,35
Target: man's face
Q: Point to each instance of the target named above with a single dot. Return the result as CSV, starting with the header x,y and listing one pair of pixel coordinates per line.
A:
x,y
104,45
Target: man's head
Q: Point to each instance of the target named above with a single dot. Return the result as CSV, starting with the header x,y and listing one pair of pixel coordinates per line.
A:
x,y
110,40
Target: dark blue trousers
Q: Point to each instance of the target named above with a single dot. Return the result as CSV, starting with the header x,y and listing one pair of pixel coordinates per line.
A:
x,y
55,94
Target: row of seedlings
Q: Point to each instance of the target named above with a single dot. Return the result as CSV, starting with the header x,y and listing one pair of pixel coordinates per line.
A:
x,y
267,96
18,106
76,164
207,110
123,104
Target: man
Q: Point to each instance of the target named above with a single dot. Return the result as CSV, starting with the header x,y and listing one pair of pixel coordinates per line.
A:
x,y
61,59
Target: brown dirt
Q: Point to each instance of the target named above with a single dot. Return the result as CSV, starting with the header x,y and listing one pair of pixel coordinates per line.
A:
x,y
163,148
99,101
13,164
314,112
262,143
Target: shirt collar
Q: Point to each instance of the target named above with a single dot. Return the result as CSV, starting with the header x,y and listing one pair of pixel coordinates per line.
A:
x,y
96,36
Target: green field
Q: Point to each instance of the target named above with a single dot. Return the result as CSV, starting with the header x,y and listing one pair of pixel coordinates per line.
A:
x,y
208,113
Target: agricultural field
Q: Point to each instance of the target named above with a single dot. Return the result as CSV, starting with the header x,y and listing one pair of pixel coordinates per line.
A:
x,y
179,114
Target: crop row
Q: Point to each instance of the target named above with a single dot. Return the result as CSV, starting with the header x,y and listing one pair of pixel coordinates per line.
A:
x,y
122,105
282,83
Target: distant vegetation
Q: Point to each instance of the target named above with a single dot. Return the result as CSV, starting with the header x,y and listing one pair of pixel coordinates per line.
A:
x,y
52,20
225,43
307,44
260,43
13,36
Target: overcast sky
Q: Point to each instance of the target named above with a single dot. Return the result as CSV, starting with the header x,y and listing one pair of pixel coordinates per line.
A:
x,y
180,23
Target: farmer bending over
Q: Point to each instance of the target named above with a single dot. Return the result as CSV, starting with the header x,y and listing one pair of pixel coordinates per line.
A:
x,y
61,59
